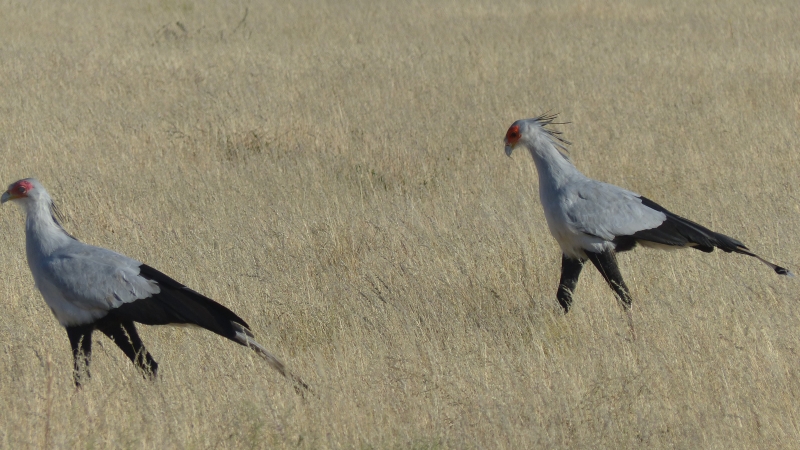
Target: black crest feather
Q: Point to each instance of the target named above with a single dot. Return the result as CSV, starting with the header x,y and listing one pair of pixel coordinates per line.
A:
x,y
547,119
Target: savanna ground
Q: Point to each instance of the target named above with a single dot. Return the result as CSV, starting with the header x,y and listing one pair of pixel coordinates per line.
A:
x,y
334,173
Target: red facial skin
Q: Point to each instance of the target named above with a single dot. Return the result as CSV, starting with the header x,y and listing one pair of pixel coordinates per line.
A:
x,y
512,136
20,188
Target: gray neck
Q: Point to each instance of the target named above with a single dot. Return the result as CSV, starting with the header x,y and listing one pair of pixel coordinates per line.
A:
x,y
554,169
43,235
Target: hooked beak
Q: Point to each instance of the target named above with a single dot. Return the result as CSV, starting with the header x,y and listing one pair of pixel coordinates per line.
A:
x,y
509,149
8,196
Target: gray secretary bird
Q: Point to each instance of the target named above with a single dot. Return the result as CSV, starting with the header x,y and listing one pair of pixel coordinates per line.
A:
x,y
594,220
90,288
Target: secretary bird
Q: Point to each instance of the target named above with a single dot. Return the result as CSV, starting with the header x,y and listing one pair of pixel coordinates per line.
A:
x,y
595,220
91,288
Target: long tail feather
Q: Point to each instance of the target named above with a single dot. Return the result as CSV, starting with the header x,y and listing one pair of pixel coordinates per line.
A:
x,y
778,269
679,231
245,337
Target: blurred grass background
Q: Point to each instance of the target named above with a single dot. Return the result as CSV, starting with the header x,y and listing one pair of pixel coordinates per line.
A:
x,y
334,173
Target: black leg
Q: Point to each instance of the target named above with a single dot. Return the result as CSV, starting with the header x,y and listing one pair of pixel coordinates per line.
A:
x,y
606,263
127,339
570,271
80,338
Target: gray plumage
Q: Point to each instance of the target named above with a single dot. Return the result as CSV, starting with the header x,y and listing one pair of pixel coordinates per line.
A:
x,y
589,217
88,287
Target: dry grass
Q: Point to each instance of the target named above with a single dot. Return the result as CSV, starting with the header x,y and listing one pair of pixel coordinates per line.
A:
x,y
334,173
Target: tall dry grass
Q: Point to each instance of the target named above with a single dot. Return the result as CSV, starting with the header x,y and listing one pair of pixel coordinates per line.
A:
x,y
333,172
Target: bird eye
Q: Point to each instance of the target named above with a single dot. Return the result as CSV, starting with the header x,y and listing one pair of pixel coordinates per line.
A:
x,y
513,133
21,189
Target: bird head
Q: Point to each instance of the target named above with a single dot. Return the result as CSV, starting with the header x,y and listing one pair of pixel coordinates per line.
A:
x,y
535,132
513,136
32,196
27,189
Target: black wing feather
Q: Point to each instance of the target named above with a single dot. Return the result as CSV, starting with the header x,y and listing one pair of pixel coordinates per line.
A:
x,y
680,232
177,304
